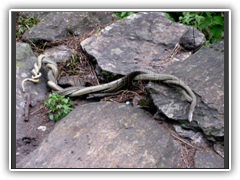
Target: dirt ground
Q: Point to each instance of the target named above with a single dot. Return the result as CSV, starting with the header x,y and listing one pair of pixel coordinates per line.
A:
x,y
39,114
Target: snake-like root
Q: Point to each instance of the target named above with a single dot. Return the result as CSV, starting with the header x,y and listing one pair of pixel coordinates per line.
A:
x,y
108,87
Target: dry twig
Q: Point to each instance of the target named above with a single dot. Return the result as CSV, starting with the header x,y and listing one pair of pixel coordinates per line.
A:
x,y
180,139
26,119
36,110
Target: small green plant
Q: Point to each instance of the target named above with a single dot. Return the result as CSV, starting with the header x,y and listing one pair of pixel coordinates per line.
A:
x,y
25,23
58,106
38,50
71,64
99,29
72,60
122,15
44,45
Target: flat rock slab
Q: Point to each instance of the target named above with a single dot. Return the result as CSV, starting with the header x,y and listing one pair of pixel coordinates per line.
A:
x,y
169,100
137,41
25,59
35,14
203,72
57,25
60,53
208,159
106,135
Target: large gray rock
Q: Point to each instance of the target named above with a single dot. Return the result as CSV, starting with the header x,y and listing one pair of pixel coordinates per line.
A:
x,y
141,40
59,53
207,159
36,14
194,137
106,135
204,73
57,25
25,59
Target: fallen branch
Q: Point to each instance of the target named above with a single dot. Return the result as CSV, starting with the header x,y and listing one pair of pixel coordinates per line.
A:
x,y
36,110
183,141
99,95
27,107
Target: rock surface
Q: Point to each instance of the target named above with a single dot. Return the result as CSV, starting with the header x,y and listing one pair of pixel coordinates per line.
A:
x,y
195,137
204,74
57,25
97,135
140,40
208,159
59,53
25,59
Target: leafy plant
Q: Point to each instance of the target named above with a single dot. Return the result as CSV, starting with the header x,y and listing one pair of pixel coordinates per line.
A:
x,y
26,23
210,23
122,15
58,106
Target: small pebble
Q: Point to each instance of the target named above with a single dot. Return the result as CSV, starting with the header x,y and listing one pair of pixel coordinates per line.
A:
x,y
127,102
43,128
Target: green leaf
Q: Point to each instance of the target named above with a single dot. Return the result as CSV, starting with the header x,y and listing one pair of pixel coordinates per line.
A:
x,y
52,103
59,106
56,117
123,13
51,116
65,101
65,106
216,31
169,17
45,102
218,20
44,45
207,42
65,111
73,57
199,19
99,29
52,108
21,30
130,13
209,14
206,22
27,26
